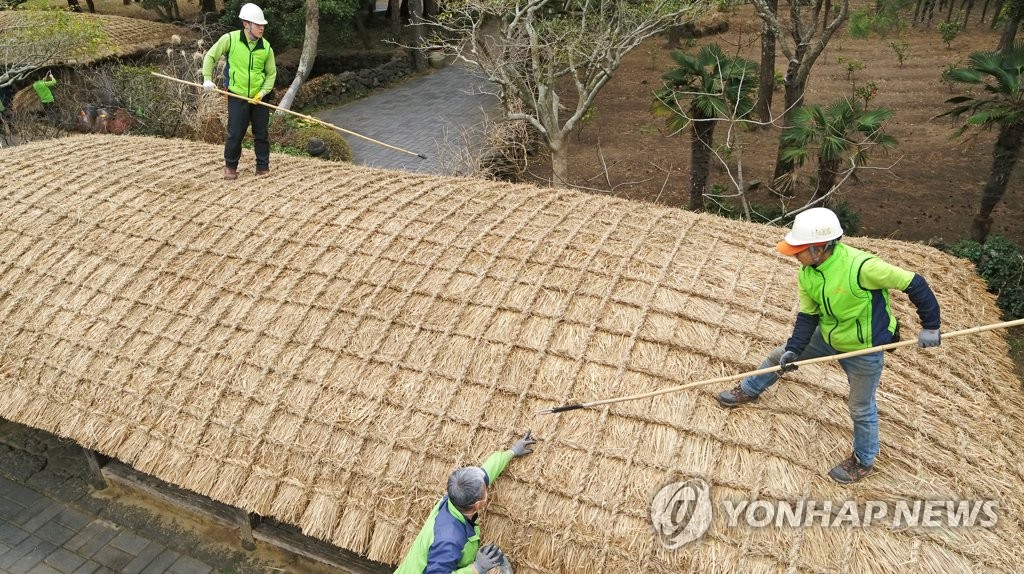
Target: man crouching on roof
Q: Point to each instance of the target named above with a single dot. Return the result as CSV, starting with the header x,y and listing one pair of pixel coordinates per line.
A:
x,y
449,541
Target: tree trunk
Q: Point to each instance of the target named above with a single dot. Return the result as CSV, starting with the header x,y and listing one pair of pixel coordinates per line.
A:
x,y
996,11
360,21
559,161
308,53
416,21
92,6
700,161
828,170
1004,158
1008,35
766,91
395,13
208,6
1013,15
783,177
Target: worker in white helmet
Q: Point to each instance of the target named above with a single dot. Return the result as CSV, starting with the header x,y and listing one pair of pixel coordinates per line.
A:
x,y
250,74
844,306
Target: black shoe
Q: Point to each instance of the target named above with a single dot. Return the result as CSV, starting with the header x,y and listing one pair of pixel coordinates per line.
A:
x,y
734,397
850,470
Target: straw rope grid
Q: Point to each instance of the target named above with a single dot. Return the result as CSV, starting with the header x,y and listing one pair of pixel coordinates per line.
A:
x,y
326,344
123,35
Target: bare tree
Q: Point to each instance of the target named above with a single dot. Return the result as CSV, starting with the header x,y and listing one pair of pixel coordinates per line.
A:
x,y
308,53
39,38
802,38
530,49
767,78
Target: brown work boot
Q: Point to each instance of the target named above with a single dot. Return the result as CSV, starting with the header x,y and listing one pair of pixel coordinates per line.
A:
x,y
230,173
850,470
734,397
260,171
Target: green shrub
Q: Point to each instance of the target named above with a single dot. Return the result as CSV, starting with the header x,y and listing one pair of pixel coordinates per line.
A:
x,y
900,48
1000,264
291,136
949,31
860,24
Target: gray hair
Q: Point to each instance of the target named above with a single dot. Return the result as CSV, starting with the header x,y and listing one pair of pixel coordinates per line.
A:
x,y
466,486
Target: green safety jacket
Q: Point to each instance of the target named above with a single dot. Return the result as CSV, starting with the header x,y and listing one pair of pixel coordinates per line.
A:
x,y
251,68
42,88
848,294
448,542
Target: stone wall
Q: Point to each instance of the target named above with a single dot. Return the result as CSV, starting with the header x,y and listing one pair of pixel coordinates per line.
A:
x,y
334,89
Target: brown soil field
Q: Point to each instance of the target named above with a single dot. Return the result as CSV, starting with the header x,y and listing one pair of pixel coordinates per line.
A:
x,y
928,188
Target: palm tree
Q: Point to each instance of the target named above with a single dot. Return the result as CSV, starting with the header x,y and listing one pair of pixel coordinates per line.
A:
x,y
843,134
715,87
1000,105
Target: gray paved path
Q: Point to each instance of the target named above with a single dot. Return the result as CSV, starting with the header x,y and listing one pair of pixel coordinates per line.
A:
x,y
40,535
51,521
430,114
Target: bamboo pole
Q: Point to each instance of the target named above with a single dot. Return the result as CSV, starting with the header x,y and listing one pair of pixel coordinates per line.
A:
x,y
297,114
726,379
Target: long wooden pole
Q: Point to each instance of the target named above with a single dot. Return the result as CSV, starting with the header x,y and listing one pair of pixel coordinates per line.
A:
x,y
726,379
297,114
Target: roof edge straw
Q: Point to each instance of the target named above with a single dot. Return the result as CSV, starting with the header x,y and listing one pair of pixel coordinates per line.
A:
x,y
297,114
886,347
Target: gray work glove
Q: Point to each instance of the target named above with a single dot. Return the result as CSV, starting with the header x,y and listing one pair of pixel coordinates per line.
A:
x,y
929,338
209,86
785,361
487,557
523,446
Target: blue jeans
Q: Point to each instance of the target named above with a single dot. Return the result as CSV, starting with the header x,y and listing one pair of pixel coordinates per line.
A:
x,y
862,373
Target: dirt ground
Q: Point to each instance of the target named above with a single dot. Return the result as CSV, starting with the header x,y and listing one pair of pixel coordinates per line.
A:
x,y
934,185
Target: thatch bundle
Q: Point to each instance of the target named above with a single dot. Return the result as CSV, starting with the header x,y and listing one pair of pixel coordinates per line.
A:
x,y
122,36
326,344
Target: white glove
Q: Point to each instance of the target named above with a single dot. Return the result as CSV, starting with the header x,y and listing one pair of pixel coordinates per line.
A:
x,y
209,86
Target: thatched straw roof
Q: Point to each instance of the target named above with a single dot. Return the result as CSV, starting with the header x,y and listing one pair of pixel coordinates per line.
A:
x,y
123,36
326,344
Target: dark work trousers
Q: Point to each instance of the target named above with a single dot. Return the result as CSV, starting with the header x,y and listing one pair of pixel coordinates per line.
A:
x,y
240,114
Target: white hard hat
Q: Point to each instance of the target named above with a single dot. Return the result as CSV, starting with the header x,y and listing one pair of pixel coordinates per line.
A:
x,y
252,13
816,225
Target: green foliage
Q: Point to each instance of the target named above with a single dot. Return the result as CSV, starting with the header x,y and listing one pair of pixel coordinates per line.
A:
x,y
860,24
1000,263
946,76
291,135
843,130
286,19
852,66
887,17
713,84
866,92
900,49
949,30
32,39
1000,77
